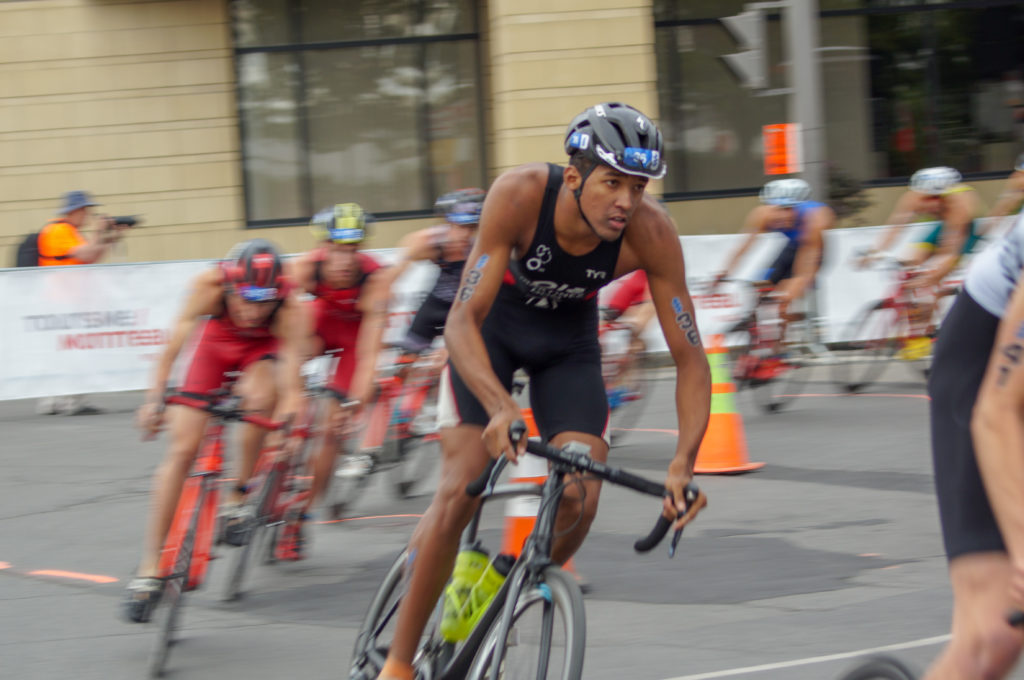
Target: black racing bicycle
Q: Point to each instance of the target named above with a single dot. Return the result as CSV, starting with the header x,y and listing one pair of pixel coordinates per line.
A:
x,y
535,626
880,668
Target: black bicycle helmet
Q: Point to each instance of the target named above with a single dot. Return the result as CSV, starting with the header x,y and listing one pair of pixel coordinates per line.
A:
x,y
466,210
620,136
254,270
445,202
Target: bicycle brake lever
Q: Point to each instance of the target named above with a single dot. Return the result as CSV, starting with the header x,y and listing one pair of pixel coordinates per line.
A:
x,y
690,497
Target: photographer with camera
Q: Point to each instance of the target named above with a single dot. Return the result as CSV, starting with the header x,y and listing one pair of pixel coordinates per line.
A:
x,y
61,241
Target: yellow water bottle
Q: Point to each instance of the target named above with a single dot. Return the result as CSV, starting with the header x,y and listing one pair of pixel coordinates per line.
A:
x,y
487,587
470,565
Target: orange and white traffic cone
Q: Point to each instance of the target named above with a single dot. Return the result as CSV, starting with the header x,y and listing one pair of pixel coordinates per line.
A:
x,y
521,511
724,447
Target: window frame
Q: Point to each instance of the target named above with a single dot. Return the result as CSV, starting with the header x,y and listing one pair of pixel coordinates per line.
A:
x,y
305,181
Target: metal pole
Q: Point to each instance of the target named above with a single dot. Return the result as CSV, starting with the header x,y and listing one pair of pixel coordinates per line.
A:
x,y
806,107
807,110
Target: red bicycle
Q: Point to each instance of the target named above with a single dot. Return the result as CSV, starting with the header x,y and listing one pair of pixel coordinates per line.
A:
x,y
187,551
398,435
900,326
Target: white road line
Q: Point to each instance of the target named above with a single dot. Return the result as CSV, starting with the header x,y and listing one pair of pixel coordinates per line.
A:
x,y
924,642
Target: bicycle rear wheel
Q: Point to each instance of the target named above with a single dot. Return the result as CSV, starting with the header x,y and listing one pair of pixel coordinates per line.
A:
x,y
880,668
870,343
776,378
627,393
375,635
547,638
415,455
168,612
243,554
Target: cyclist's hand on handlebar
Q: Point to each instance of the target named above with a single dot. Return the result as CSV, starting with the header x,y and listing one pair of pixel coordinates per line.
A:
x,y
496,437
676,508
150,419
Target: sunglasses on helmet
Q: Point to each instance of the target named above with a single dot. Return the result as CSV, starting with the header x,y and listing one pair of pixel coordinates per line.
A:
x,y
251,293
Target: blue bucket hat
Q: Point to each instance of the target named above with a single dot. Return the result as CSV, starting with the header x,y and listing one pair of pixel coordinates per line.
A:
x,y
73,200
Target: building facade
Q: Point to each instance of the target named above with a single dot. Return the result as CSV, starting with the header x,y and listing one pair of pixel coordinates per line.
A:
x,y
216,121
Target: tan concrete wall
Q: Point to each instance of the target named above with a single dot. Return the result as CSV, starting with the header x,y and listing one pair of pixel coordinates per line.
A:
x,y
549,61
133,102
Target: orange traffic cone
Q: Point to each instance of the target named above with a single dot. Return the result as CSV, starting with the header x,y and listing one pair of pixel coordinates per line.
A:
x,y
724,448
521,511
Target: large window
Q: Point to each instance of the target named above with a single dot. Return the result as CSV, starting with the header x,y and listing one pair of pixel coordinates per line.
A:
x,y
372,101
905,85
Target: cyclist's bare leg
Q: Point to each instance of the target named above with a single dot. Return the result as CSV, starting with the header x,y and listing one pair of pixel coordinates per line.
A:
x,y
323,462
578,508
984,646
258,389
638,316
186,427
435,542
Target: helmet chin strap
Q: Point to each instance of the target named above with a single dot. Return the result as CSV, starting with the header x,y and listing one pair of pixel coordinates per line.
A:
x,y
578,191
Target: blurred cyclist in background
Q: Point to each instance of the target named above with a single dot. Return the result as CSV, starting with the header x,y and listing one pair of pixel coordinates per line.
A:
x,y
1012,196
934,194
446,245
350,310
787,209
249,319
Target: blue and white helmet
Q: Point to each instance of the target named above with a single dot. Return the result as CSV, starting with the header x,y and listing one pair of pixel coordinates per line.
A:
x,y
1019,164
619,136
934,181
785,192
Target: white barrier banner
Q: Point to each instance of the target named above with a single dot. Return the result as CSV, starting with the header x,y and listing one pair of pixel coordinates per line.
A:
x,y
98,328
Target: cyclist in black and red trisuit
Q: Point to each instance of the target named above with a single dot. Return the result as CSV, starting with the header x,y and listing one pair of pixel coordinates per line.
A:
x,y
549,239
446,245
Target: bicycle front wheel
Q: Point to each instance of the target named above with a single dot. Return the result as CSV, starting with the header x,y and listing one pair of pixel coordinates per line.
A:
x,y
880,668
547,638
777,378
168,611
872,340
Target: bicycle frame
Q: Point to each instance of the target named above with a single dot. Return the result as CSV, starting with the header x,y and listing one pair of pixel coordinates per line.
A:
x,y
401,396
535,557
200,490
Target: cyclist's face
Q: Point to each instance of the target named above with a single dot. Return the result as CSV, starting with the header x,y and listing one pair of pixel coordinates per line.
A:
x,y
341,265
931,204
246,314
781,216
460,237
609,200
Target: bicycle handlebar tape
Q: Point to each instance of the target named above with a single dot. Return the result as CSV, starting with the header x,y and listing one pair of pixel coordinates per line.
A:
x,y
521,511
724,447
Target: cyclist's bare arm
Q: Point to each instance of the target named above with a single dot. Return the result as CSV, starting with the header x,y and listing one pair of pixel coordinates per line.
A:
x,y
905,211
373,303
419,246
302,270
653,242
510,209
293,327
756,223
808,254
204,298
997,426
1011,197
956,227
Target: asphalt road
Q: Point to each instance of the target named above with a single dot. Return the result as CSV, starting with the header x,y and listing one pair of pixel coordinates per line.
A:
x,y
792,572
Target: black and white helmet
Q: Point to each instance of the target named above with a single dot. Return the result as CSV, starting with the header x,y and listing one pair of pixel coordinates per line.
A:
x,y
934,181
619,136
785,192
